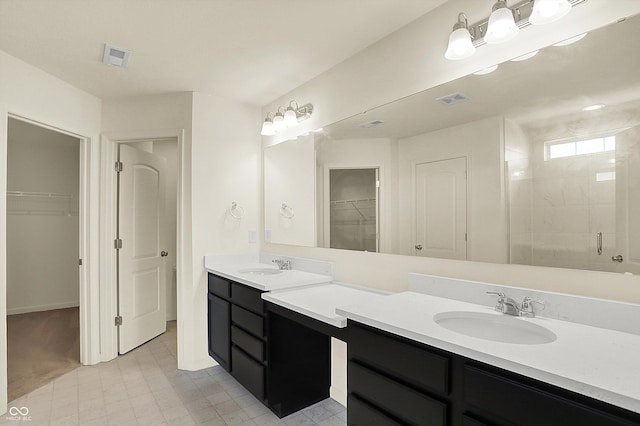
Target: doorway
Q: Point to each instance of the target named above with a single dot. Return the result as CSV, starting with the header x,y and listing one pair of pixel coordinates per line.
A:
x,y
353,209
43,251
146,239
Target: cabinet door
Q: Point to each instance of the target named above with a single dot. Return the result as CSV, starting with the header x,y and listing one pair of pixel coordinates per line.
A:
x,y
219,313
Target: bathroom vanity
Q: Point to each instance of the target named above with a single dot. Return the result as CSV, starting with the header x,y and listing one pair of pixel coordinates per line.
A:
x,y
402,382
437,354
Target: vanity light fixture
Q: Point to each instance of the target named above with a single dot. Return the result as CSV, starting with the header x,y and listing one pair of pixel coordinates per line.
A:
x,y
503,24
547,11
278,121
460,44
267,126
285,117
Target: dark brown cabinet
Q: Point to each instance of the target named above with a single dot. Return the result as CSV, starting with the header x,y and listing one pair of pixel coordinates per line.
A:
x,y
393,380
237,339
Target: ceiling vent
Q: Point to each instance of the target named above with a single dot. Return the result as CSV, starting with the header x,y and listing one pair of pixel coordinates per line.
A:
x,y
371,124
115,56
452,99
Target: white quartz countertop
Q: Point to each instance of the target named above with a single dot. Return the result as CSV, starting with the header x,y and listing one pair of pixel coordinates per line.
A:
x,y
320,302
601,363
283,280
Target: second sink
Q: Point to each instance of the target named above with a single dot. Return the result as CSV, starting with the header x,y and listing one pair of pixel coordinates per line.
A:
x,y
498,328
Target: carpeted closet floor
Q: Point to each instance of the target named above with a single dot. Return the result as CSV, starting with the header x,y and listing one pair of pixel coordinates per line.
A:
x,y
41,346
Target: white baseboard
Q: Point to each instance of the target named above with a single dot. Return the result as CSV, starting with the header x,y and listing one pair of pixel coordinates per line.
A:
x,y
40,308
339,395
199,364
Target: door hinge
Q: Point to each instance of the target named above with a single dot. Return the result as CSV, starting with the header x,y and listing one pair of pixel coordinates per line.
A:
x,y
118,320
465,236
80,262
118,166
117,243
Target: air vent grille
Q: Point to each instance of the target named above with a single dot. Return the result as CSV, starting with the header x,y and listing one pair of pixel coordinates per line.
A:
x,y
115,56
452,99
371,124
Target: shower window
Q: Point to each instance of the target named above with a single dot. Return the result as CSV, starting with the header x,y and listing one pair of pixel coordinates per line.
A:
x,y
572,149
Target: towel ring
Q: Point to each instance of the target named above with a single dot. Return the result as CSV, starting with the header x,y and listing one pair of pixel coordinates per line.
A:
x,y
236,211
286,211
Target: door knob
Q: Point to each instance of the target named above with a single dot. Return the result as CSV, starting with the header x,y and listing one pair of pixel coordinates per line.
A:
x,y
164,253
418,246
617,258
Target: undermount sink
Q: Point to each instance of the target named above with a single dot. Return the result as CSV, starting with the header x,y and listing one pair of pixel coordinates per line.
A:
x,y
261,271
498,328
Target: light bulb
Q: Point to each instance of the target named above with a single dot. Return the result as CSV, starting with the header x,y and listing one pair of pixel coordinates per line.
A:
x,y
501,27
546,11
278,121
267,128
290,117
460,45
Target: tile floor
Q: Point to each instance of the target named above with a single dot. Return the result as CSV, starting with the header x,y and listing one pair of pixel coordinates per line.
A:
x,y
144,387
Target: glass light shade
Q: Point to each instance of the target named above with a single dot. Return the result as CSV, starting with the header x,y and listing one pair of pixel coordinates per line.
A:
x,y
267,128
290,118
546,11
278,122
460,45
502,27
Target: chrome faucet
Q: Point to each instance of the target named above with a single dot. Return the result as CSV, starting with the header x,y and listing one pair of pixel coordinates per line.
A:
x,y
283,264
505,304
526,307
508,306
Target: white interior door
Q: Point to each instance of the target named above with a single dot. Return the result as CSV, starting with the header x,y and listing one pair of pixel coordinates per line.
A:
x,y
441,209
627,177
141,280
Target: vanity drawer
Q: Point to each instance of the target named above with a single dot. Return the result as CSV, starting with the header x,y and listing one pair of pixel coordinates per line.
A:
x,y
248,372
470,421
361,413
249,321
507,401
397,357
251,345
220,286
247,297
399,400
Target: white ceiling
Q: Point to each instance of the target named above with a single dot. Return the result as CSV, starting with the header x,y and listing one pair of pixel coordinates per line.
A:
x,y
249,50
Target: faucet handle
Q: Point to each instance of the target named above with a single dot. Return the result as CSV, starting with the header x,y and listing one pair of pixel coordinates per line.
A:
x,y
526,308
501,299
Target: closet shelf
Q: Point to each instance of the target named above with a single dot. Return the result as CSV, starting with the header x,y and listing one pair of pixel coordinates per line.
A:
x,y
364,200
38,194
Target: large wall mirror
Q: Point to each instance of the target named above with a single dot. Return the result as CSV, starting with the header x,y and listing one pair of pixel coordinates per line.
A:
x,y
536,163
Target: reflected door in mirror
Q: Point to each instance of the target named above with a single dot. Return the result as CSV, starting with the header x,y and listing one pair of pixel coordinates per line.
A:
x,y
441,209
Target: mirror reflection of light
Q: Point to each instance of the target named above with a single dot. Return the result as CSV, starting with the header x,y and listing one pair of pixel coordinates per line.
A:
x,y
570,40
486,70
593,107
525,56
